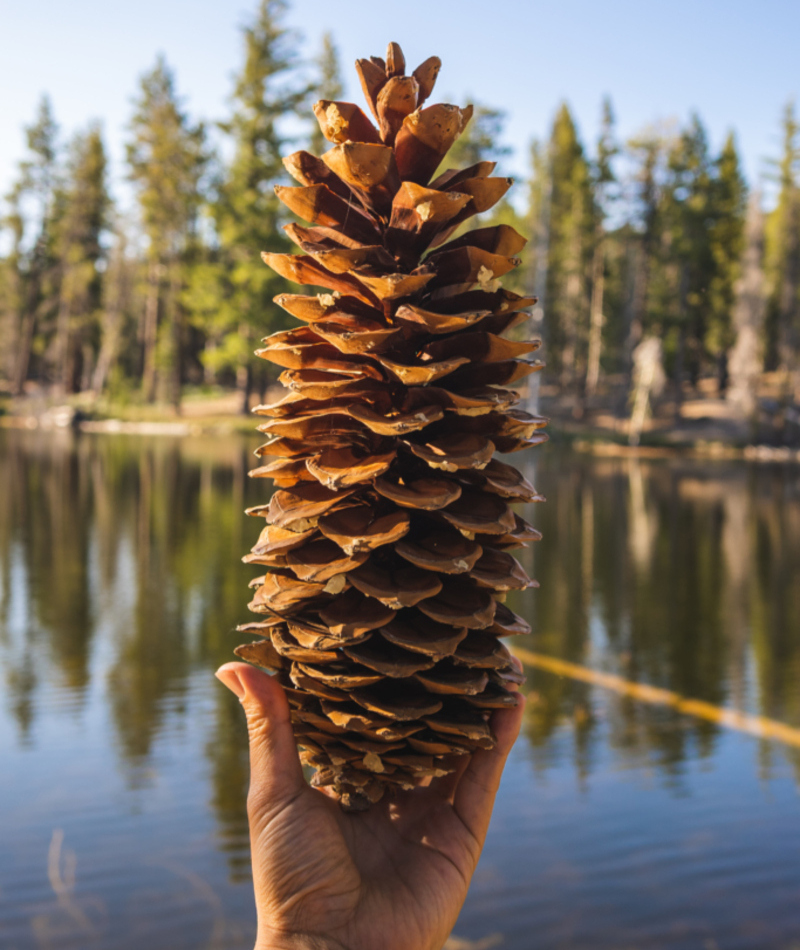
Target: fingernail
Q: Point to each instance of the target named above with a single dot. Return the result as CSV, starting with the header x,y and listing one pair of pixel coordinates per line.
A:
x,y
231,679
517,662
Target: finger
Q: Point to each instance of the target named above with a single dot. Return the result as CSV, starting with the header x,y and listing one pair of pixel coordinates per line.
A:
x,y
276,776
446,786
476,790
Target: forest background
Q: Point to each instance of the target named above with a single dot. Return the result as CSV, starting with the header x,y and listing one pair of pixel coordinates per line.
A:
x,y
661,273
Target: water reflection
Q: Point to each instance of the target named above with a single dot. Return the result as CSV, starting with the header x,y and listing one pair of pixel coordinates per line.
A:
x,y
142,538
121,583
681,574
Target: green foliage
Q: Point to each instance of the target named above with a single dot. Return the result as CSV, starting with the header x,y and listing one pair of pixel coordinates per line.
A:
x,y
624,242
572,217
31,264
167,158
231,290
727,247
782,255
687,262
83,219
607,150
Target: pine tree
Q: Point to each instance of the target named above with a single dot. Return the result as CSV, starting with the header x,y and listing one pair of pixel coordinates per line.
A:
x,y
686,250
117,320
603,179
232,295
782,262
539,194
167,158
30,218
746,358
82,221
570,239
729,198
648,154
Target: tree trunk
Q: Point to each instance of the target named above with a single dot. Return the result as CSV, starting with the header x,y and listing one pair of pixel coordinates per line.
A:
x,y
638,303
209,373
174,371
787,300
23,353
745,360
648,379
723,376
541,230
596,319
680,359
150,334
63,341
108,347
25,338
572,299
116,289
679,370
244,379
243,388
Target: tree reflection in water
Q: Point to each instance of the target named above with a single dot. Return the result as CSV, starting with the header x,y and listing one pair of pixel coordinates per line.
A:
x,y
143,537
682,574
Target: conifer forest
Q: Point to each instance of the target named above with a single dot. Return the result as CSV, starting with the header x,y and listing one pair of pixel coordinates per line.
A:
x,y
650,257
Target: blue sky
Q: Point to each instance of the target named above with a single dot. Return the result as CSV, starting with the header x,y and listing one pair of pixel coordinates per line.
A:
x,y
734,62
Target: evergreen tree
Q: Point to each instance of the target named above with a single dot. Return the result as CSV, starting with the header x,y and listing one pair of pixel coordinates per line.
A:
x,y
114,368
746,358
82,220
328,86
571,233
603,179
729,196
647,151
531,278
686,250
167,158
783,252
231,296
30,263
540,188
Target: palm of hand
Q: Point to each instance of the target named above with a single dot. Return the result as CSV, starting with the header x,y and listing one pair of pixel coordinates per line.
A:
x,y
393,877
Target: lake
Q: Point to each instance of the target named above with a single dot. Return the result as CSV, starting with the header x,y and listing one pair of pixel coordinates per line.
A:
x,y
620,825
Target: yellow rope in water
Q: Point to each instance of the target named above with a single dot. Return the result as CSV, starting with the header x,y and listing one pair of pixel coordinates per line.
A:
x,y
757,726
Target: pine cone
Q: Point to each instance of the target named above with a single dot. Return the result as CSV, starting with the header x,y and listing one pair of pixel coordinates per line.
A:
x,y
387,537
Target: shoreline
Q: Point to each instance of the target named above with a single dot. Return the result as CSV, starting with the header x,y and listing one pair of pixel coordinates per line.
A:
x,y
587,442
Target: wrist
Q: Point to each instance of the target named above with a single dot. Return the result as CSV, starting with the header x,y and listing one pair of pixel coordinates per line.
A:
x,y
286,941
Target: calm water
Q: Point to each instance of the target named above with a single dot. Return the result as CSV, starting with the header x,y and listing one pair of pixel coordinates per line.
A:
x,y
619,826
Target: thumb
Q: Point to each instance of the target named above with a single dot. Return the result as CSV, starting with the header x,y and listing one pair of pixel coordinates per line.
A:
x,y
276,777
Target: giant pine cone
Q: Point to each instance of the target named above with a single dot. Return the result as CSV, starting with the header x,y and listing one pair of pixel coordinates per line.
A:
x,y
386,540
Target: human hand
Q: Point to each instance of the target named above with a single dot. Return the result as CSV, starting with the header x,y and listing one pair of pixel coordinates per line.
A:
x,y
393,877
